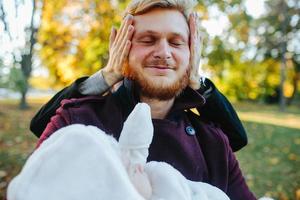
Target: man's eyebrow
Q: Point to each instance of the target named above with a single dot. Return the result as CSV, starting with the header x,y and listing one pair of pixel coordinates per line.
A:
x,y
147,32
178,35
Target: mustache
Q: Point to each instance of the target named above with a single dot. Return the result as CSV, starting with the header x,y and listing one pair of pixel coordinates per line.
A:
x,y
159,62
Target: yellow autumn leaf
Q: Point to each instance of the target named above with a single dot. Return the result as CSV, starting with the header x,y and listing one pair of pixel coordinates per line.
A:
x,y
274,160
293,156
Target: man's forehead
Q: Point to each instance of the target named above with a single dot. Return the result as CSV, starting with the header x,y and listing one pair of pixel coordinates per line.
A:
x,y
161,21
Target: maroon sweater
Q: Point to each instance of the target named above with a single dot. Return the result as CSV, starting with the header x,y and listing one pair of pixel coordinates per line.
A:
x,y
204,156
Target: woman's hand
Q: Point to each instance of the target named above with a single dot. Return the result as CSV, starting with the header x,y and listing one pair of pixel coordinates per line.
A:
x,y
195,49
119,47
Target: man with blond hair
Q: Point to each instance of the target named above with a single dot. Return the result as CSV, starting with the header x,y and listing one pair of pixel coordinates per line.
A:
x,y
155,56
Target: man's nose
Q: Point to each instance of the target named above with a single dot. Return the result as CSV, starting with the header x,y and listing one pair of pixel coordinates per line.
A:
x,y
162,50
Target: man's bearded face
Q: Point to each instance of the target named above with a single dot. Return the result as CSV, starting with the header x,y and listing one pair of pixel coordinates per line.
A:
x,y
159,56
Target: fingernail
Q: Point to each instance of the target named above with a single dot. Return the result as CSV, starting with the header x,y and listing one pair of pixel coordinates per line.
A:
x,y
130,28
129,16
192,15
113,29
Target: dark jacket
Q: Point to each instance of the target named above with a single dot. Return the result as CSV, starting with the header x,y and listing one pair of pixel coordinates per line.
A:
x,y
203,155
217,109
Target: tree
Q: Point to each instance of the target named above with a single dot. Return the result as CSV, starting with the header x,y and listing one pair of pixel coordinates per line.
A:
x,y
22,56
80,45
279,34
274,37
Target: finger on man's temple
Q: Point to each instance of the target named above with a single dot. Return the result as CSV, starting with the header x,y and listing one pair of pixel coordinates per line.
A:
x,y
126,50
198,25
192,24
124,26
128,36
127,43
112,36
190,29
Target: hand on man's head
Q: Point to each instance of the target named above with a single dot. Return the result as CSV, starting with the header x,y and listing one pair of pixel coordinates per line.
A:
x,y
195,49
119,47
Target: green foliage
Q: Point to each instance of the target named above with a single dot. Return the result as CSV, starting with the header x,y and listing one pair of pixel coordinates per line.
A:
x,y
278,26
278,34
17,81
244,77
2,77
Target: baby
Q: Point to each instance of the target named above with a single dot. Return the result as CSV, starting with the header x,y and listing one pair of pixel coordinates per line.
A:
x,y
83,162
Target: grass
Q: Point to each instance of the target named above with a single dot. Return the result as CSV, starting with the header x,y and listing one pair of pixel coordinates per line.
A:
x,y
270,162
16,141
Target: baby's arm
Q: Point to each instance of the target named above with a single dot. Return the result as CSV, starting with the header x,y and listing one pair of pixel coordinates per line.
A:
x,y
134,142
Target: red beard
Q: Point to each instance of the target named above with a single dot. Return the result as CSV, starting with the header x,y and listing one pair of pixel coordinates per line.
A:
x,y
155,91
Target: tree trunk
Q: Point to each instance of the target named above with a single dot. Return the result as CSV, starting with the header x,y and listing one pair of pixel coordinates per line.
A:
x,y
26,62
24,89
282,100
23,103
283,45
26,67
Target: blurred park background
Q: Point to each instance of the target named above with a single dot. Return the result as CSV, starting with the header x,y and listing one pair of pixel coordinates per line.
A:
x,y
251,52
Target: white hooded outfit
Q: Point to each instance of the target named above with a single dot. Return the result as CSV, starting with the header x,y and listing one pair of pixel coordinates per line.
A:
x,y
82,162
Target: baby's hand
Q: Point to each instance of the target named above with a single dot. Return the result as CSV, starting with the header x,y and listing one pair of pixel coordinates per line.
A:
x,y
140,180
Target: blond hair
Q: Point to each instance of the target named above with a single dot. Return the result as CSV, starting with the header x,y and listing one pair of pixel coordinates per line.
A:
x,y
138,7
